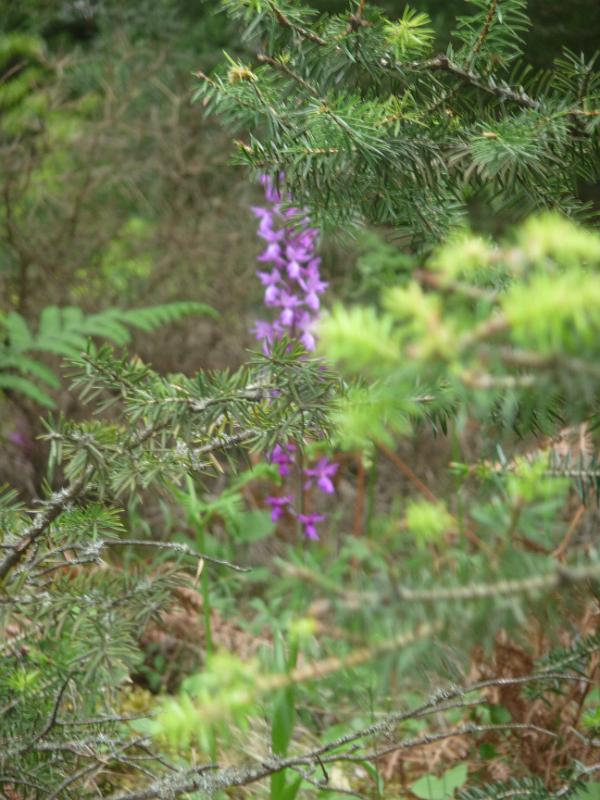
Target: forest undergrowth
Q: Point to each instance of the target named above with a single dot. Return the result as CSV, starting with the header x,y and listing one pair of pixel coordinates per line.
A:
x,y
301,454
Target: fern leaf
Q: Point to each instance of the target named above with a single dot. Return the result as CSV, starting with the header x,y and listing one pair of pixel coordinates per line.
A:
x,y
25,387
26,364
50,322
148,319
107,326
18,332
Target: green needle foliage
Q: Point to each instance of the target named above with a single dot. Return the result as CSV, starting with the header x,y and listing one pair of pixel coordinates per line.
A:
x,y
71,619
369,122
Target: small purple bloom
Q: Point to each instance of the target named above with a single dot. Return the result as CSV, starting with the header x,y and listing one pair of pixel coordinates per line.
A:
x,y
21,440
288,303
290,212
272,254
263,330
261,212
266,231
271,192
283,458
297,253
309,522
308,341
269,278
272,296
322,472
294,269
279,505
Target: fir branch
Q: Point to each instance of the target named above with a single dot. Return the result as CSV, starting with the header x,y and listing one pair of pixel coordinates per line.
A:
x,y
53,509
286,22
442,63
174,547
486,27
222,779
282,67
582,772
430,738
560,576
51,719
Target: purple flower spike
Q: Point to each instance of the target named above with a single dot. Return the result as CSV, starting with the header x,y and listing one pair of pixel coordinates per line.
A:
x,y
294,285
279,505
322,472
309,521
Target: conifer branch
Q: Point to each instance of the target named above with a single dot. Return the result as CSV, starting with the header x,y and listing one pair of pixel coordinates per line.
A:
x,y
486,27
560,576
283,20
223,779
442,63
54,508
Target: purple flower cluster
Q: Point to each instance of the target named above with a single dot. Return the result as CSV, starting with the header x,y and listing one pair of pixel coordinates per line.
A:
x,y
321,474
293,283
293,286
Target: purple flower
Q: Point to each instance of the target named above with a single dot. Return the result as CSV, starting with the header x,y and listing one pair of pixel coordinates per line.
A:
x,y
261,212
272,254
313,286
308,341
294,252
263,330
271,193
304,321
293,286
278,506
294,269
309,522
322,472
270,280
290,212
266,231
21,440
283,458
288,303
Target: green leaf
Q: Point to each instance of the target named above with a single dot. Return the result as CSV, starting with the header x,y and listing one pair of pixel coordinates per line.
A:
x,y
284,718
591,791
499,715
291,788
430,787
255,525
